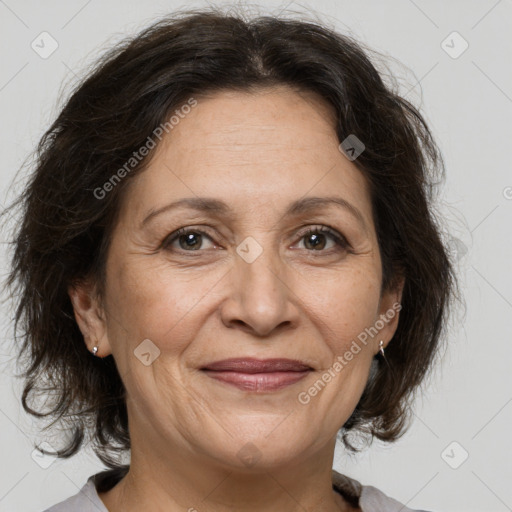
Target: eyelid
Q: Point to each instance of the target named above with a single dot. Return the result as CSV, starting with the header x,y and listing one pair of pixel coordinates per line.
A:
x,y
172,237
324,229
340,240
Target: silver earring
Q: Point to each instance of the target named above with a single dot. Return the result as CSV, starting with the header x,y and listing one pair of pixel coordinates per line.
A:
x,y
381,347
94,350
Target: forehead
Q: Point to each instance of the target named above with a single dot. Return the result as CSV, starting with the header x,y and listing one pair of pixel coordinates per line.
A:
x,y
264,122
252,150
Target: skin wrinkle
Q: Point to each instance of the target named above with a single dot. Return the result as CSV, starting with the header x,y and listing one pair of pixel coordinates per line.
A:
x,y
187,429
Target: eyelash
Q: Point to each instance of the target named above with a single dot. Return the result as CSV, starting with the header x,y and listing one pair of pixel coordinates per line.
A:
x,y
339,240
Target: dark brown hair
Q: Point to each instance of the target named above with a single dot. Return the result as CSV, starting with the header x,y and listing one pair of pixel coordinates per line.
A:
x,y
64,230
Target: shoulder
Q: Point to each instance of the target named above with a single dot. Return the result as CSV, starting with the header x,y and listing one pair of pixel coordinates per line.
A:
x,y
374,499
367,497
85,500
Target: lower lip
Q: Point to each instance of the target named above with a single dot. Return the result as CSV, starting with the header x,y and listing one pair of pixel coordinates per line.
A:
x,y
271,381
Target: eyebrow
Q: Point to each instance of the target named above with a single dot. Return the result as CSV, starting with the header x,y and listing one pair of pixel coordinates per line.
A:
x,y
218,207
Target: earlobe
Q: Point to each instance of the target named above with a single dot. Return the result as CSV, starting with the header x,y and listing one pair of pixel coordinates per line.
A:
x,y
89,317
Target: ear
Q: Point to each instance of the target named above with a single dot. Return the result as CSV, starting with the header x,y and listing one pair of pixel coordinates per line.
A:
x,y
90,316
389,312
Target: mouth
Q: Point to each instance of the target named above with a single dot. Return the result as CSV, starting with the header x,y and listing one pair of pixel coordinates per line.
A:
x,y
256,375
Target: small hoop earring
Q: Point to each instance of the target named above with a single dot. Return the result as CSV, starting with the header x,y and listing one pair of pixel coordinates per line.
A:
x,y
381,347
94,350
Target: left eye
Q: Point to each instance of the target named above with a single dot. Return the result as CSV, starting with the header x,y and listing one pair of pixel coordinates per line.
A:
x,y
316,238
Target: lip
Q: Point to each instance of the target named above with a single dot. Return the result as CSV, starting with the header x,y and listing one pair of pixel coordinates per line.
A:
x,y
250,374
253,365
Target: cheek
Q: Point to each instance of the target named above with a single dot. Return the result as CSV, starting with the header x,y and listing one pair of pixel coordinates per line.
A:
x,y
344,317
154,303
348,304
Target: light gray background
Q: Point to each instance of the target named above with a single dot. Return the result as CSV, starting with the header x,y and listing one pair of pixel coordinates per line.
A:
x,y
468,102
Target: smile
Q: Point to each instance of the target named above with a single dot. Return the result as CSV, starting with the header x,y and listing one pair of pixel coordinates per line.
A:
x,y
258,382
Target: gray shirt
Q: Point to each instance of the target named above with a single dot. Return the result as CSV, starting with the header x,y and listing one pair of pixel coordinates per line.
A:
x,y
367,497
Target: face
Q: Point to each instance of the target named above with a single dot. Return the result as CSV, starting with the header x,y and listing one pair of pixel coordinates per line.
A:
x,y
260,270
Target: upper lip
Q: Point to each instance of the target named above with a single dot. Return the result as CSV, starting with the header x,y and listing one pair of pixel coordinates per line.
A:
x,y
252,365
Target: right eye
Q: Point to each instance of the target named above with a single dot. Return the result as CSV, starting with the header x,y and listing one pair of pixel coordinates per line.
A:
x,y
189,239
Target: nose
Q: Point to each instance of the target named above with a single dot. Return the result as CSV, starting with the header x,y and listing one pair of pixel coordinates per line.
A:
x,y
261,298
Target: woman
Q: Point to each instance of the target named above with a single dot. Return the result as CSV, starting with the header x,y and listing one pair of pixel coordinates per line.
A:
x,y
227,259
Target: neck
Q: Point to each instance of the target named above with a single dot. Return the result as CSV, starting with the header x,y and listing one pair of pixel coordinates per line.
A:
x,y
176,478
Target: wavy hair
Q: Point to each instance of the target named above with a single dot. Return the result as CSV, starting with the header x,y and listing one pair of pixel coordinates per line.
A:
x,y
64,229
